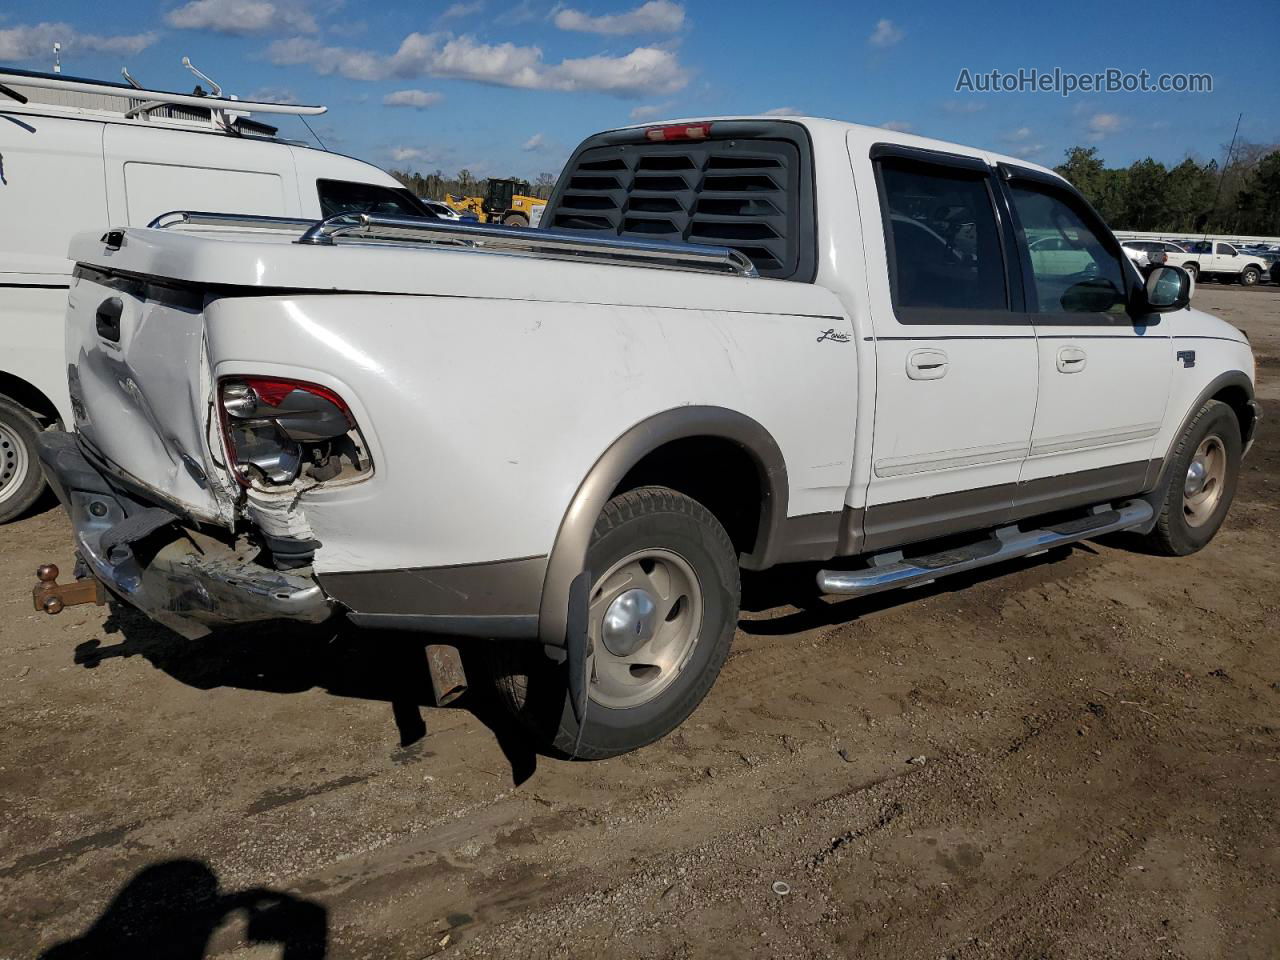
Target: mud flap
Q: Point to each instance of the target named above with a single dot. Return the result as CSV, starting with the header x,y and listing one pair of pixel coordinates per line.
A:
x,y
578,647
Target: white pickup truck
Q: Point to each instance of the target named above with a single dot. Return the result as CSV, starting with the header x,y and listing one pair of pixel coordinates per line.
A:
x,y
563,443
1214,259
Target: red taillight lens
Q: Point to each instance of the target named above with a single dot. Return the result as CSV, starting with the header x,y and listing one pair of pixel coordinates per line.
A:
x,y
277,429
679,131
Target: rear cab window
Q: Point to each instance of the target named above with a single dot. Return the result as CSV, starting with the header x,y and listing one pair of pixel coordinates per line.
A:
x,y
346,196
746,185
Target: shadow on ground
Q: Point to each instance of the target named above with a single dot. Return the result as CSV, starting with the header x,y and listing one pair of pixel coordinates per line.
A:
x,y
392,667
289,658
172,909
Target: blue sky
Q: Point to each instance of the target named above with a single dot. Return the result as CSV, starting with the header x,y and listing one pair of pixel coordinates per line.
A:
x,y
509,86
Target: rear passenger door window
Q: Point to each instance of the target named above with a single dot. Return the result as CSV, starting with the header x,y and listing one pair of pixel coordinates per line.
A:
x,y
945,249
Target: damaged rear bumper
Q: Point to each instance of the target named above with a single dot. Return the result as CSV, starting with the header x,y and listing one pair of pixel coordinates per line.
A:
x,y
184,579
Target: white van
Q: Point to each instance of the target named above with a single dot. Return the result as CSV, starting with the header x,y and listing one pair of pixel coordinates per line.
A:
x,y
79,154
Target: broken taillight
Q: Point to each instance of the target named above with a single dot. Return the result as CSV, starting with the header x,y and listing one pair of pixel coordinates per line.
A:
x,y
278,430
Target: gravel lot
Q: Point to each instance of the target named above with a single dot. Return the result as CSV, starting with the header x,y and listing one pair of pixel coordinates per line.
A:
x,y
1075,756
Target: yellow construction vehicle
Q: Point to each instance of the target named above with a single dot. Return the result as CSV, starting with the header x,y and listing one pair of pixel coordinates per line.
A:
x,y
505,201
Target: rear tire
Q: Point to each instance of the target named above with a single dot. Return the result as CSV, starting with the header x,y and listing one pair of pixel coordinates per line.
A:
x,y
21,481
1199,483
649,671
516,220
1193,270
1250,276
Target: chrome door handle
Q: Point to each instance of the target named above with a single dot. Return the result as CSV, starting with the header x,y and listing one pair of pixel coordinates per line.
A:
x,y
1071,360
926,364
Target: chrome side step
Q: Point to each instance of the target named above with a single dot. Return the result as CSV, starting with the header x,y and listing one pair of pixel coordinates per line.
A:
x,y
890,571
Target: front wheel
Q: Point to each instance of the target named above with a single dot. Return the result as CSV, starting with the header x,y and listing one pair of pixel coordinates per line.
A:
x,y
516,220
21,481
1200,482
663,606
1249,276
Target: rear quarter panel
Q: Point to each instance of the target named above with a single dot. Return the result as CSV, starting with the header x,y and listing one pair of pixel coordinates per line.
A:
x,y
484,415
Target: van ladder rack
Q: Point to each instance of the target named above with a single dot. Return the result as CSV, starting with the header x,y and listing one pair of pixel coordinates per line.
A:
x,y
156,98
556,244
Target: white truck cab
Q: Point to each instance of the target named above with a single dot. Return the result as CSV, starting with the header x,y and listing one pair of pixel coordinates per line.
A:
x,y
77,154
734,343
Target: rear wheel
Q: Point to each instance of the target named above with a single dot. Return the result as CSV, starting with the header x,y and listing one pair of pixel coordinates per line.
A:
x,y
1193,270
662,610
516,220
1249,276
1200,482
21,481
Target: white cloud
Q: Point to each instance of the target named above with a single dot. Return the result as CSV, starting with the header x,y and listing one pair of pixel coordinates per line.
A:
x,y
655,16
417,99
648,111
403,154
1017,136
536,142
273,95
36,42
901,126
459,10
241,17
1102,124
782,112
964,106
643,70
886,34
353,64
1027,150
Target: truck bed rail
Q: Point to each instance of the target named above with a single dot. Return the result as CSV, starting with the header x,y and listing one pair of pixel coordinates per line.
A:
x,y
551,244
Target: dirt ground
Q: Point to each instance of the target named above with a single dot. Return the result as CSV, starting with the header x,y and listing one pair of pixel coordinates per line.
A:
x,y
1076,756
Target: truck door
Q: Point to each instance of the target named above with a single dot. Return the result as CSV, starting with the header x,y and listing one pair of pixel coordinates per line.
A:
x,y
1224,258
956,366
1104,375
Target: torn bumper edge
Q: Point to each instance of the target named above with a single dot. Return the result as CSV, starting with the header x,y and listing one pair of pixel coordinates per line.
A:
x,y
191,584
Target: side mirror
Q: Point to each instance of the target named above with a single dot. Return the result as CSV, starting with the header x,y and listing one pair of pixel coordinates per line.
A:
x,y
1167,289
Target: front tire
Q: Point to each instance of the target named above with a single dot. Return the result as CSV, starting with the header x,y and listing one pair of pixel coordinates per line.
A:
x,y
21,481
662,610
1200,482
1250,276
516,220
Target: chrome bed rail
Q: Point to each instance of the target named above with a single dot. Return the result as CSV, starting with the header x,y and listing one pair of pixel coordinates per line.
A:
x,y
551,244
202,218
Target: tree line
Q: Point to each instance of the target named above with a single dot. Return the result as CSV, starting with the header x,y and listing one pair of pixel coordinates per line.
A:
x,y
1191,197
435,185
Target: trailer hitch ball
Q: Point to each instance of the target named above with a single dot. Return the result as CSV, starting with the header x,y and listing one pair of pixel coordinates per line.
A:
x,y
52,597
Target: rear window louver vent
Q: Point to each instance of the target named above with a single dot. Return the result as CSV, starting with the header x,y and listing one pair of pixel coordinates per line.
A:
x,y
737,193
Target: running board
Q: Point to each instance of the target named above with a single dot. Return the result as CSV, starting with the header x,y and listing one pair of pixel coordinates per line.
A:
x,y
889,571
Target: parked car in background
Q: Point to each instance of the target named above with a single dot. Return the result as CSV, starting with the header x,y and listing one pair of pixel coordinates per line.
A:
x,y
1145,254
569,454
78,154
1218,260
441,209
